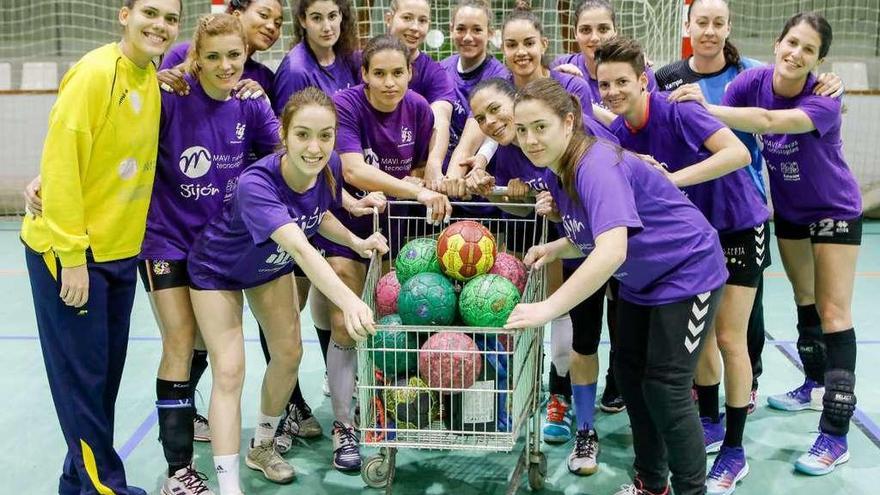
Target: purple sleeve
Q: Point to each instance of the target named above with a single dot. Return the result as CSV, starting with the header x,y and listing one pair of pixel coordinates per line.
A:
x,y
652,79
261,209
822,110
567,58
175,56
606,193
266,134
695,123
348,131
441,87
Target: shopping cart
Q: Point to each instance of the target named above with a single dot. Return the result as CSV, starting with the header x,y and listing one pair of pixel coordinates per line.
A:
x,y
488,393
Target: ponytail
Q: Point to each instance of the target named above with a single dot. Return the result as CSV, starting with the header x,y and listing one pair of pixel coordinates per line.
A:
x,y
732,56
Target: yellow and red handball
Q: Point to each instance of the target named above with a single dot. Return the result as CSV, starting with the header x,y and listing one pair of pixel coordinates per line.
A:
x,y
466,249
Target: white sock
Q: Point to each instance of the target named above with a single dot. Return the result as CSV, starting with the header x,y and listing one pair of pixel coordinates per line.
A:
x,y
266,427
560,344
226,467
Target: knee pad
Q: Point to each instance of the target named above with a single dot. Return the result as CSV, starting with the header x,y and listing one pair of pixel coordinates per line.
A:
x,y
813,353
839,401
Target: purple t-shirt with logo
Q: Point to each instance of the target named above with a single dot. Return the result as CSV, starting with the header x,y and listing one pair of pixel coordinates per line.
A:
x,y
204,145
394,142
674,134
578,60
430,80
300,69
672,252
809,177
235,250
252,70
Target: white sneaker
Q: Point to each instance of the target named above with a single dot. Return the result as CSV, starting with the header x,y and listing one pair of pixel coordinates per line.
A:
x,y
582,459
326,387
201,429
186,481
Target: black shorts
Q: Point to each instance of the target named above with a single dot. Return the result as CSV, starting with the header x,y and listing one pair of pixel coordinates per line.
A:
x,y
747,253
825,231
586,319
163,274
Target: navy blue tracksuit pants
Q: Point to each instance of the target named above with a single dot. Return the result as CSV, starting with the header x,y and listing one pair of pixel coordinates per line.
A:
x,y
84,352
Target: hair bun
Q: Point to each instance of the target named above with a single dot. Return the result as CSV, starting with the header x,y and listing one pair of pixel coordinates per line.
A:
x,y
523,6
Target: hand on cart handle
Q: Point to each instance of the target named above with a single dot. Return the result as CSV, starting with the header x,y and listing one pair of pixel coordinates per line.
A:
x,y
546,206
531,315
358,317
480,182
366,205
376,242
539,256
438,207
455,187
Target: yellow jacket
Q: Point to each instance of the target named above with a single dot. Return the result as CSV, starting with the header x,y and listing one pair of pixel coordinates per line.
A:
x,y
99,160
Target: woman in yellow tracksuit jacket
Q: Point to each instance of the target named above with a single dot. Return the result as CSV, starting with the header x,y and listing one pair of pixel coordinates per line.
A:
x,y
97,169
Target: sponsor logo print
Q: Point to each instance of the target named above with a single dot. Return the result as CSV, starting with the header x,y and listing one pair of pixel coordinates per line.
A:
x,y
128,168
195,161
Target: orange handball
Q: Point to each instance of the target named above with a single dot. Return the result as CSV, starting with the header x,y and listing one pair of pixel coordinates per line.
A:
x,y
466,249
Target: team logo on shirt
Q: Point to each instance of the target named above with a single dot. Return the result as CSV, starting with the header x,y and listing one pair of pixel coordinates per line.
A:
x,y
790,171
371,158
279,258
128,168
239,131
195,162
406,135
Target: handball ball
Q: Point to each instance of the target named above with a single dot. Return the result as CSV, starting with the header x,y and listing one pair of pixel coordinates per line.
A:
x,y
449,360
466,249
416,256
511,268
387,290
427,299
487,301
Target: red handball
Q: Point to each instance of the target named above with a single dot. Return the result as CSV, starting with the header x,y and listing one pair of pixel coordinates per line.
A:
x,y
449,360
511,268
466,249
387,291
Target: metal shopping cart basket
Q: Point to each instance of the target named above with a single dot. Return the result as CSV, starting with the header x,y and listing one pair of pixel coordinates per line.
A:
x,y
487,393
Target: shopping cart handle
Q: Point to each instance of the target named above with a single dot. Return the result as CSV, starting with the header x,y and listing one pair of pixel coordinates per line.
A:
x,y
502,191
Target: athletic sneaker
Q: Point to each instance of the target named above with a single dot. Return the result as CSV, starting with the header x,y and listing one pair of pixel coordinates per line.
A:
x,y
826,453
637,489
346,448
201,429
611,402
186,481
326,387
713,433
557,425
729,468
807,396
753,401
582,459
265,458
297,422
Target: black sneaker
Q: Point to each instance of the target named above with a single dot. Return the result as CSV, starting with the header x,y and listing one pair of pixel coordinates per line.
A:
x,y
611,402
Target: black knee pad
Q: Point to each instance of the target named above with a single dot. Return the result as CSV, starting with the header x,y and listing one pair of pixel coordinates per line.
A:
x,y
813,353
839,401
176,430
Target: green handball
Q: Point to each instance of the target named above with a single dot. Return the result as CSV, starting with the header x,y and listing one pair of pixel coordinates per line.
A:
x,y
401,350
487,300
392,319
416,256
427,299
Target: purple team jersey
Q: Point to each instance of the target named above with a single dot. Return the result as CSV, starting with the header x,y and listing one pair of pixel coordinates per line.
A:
x,y
672,251
204,145
464,83
578,60
394,142
809,177
300,69
235,250
252,70
674,134
430,80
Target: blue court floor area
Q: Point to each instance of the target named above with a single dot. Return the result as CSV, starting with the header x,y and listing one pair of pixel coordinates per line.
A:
x,y
33,447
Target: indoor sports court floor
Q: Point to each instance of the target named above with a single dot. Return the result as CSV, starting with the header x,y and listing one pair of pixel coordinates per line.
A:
x,y
33,448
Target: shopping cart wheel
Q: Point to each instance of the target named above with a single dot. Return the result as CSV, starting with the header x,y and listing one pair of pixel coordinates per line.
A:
x,y
376,471
537,472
